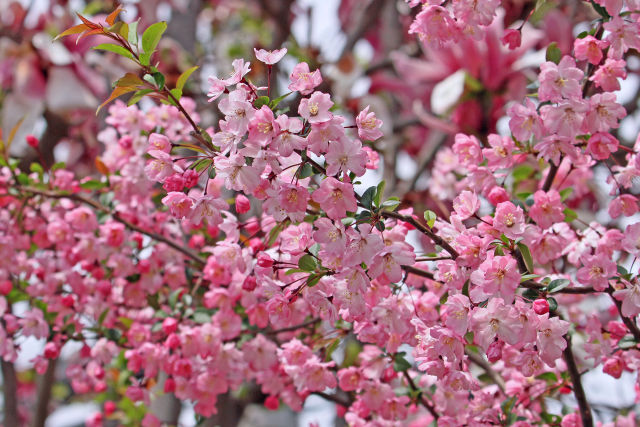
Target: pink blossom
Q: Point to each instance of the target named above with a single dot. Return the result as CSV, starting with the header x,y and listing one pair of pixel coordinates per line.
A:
x,y
467,147
160,167
625,204
547,208
293,198
315,109
178,203
270,57
368,125
33,324
524,121
82,219
335,198
499,156
159,142
303,80
206,207
509,220
589,48
345,155
630,297
565,119
601,145
560,81
497,275
550,338
435,26
606,76
596,271
511,38
466,204
622,36
497,319
604,112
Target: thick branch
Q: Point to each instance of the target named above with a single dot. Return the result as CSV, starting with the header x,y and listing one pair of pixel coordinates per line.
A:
x,y
578,391
44,395
100,207
10,394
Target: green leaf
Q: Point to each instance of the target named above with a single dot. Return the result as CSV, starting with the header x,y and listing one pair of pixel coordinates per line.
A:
x,y
553,304
152,35
332,347
184,77
367,197
109,47
274,103
526,277
430,217
621,270
522,172
569,215
177,93
551,419
260,101
159,79
380,226
37,168
554,54
391,204
379,193
601,10
531,294
138,96
526,256
565,193
132,38
307,263
93,185
173,297
557,285
549,377
628,341
400,364
201,317
305,171
444,298
59,165
313,280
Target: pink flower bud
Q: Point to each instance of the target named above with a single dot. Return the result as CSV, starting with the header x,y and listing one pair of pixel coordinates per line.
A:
x,y
5,287
51,350
271,403
169,385
242,204
169,325
494,352
32,141
541,306
617,329
264,260
613,367
172,342
511,38
249,283
497,195
109,407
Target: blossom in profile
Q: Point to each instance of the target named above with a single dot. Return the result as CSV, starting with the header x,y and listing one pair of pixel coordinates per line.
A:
x,y
270,57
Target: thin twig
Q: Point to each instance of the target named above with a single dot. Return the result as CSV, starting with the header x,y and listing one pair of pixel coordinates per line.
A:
x,y
421,399
424,230
478,360
97,205
630,324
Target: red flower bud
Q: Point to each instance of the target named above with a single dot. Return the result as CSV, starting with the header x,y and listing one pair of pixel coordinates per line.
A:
x,y
32,141
541,306
243,205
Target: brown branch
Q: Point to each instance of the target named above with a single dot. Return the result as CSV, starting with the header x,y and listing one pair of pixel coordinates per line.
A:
x,y
578,391
424,230
421,399
479,360
529,284
10,393
333,398
629,323
100,207
293,328
417,271
44,394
